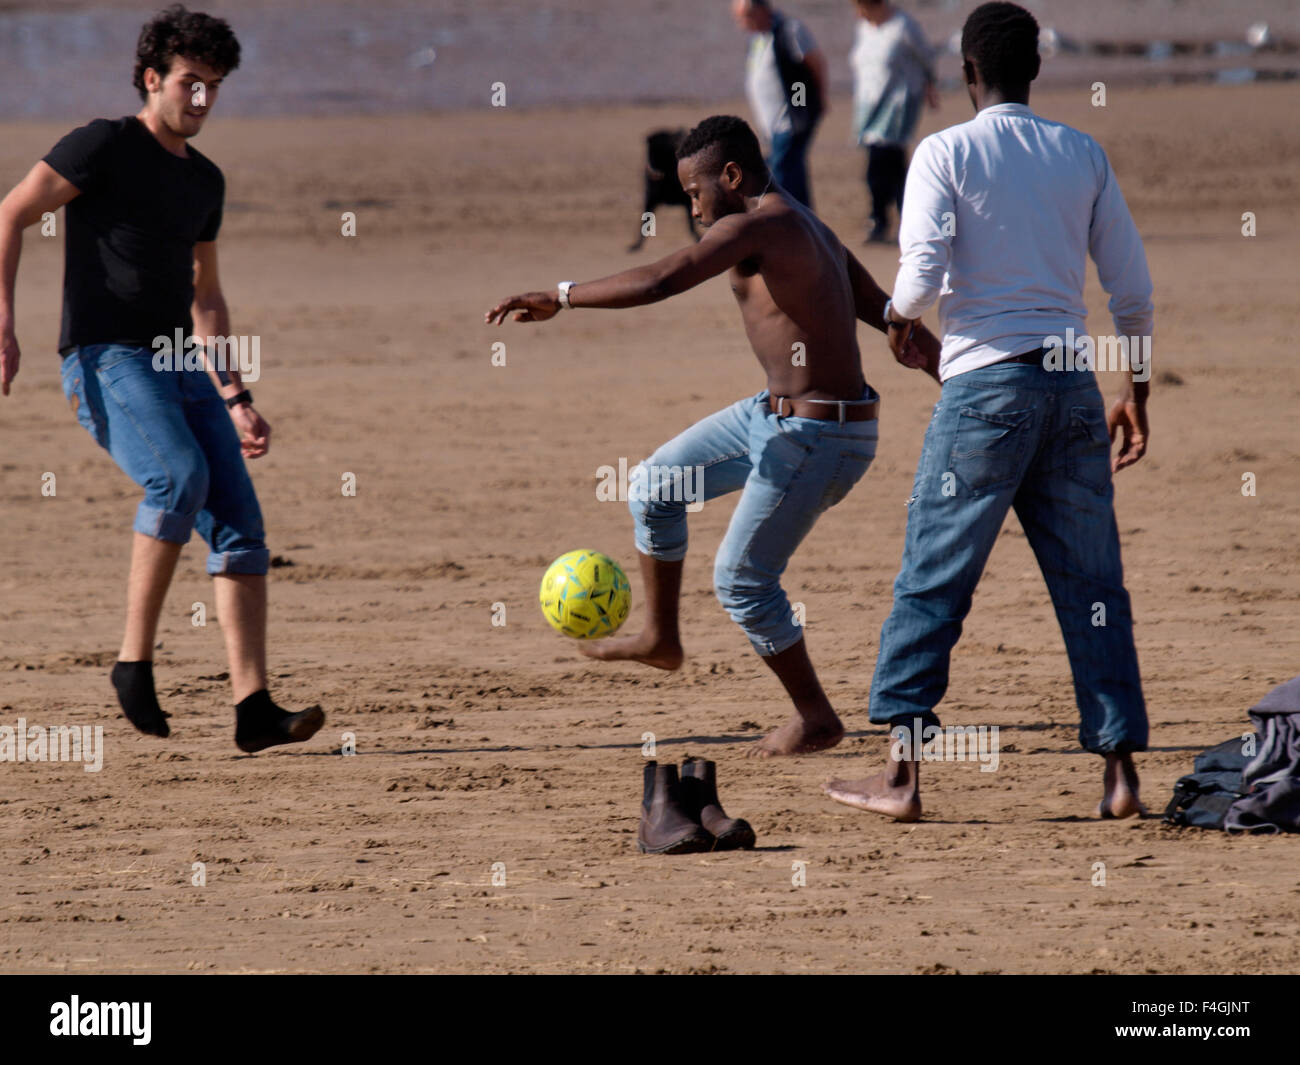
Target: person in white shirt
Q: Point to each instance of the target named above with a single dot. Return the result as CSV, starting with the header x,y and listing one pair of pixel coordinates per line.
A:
x,y
893,74
999,217
785,81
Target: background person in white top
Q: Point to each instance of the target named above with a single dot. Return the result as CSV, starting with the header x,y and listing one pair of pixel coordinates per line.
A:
x,y
1000,215
893,73
785,80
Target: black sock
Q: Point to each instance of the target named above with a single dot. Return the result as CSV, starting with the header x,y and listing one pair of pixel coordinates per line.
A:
x,y
257,709
135,693
259,723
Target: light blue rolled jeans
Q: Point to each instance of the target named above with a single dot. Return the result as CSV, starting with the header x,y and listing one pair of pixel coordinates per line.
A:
x,y
788,470
171,433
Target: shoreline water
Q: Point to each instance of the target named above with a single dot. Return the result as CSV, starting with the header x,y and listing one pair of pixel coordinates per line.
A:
x,y
334,58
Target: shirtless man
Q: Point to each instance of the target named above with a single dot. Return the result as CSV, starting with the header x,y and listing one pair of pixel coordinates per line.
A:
x,y
795,448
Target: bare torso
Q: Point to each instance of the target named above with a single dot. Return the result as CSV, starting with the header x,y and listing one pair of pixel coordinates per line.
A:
x,y
798,307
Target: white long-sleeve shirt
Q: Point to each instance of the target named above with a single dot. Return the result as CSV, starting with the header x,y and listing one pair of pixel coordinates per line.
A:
x,y
999,216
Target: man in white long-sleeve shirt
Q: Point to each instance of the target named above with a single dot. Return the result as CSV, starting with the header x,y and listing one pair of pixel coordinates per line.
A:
x,y
999,217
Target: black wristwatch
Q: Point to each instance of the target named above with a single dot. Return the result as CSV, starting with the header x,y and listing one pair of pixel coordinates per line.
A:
x,y
889,305
244,398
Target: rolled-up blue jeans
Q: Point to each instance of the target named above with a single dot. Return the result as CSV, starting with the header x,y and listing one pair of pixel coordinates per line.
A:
x,y
789,471
171,433
1014,436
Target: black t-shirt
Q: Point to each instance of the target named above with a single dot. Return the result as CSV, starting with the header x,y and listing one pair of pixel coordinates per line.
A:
x,y
129,270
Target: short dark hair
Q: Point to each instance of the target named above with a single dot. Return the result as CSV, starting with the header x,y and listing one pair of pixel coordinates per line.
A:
x,y
1002,41
730,140
176,31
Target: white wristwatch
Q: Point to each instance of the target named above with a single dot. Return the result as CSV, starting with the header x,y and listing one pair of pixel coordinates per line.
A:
x,y
563,289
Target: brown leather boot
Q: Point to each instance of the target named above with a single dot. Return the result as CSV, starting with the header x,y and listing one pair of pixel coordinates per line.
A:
x,y
666,828
700,785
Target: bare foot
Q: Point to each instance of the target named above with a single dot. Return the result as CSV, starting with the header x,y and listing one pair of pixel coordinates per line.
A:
x,y
902,802
644,647
1120,789
1117,810
798,736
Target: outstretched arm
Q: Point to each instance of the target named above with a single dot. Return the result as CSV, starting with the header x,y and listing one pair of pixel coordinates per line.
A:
x,y
723,245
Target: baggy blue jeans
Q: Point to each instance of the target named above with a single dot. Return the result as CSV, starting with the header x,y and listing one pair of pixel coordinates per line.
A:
x,y
1014,436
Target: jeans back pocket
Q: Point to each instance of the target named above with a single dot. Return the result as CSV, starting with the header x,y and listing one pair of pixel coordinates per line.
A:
x,y
988,447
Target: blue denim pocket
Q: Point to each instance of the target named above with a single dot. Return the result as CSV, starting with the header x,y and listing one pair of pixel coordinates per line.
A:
x,y
800,433
988,447
1087,450
850,468
110,356
73,375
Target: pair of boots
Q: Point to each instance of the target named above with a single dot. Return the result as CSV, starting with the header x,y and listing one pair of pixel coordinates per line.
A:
x,y
683,816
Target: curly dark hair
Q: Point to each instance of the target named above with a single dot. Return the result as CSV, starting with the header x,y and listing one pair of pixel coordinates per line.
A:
x,y
734,140
176,31
1002,41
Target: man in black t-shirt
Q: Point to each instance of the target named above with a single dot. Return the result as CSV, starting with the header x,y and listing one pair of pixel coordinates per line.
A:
x,y
143,212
